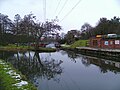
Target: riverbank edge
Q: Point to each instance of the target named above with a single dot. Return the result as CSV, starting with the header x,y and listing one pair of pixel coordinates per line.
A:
x,y
41,49
11,79
100,53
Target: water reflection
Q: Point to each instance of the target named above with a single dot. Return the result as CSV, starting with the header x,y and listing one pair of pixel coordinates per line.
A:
x,y
103,64
46,71
72,55
31,65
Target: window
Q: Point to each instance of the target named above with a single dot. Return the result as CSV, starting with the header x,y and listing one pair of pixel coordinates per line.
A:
x,y
117,42
106,43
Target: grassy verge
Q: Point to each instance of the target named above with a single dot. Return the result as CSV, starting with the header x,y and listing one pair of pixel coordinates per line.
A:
x,y
14,48
79,43
11,79
25,48
64,47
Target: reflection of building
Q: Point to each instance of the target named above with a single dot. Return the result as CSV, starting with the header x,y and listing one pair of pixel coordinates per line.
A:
x,y
105,41
112,63
104,64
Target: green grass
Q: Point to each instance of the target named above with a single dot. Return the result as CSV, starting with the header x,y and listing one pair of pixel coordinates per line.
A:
x,y
12,47
79,43
7,81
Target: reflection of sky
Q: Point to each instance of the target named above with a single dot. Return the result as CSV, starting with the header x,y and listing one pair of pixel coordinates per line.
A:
x,y
76,76
27,54
87,11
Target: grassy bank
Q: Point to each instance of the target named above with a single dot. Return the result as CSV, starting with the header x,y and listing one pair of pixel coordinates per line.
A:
x,y
25,48
13,47
79,43
11,79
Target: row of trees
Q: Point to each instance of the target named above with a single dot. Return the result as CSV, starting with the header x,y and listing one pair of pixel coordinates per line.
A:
x,y
103,27
28,29
25,30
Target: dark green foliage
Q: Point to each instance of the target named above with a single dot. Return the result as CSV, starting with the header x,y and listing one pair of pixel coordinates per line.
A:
x,y
103,27
62,41
25,30
108,26
72,36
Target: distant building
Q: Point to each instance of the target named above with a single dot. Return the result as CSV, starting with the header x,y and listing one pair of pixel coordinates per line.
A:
x,y
111,41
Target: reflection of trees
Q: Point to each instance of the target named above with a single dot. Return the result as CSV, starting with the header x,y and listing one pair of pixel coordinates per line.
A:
x,y
5,54
33,66
63,52
85,61
104,65
109,67
72,55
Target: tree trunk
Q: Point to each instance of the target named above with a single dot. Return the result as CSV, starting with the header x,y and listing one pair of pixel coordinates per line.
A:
x,y
37,44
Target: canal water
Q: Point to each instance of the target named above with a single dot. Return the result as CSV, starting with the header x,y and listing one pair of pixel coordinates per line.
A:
x,y
66,70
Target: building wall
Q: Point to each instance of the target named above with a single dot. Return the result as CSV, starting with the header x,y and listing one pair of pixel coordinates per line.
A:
x,y
111,43
105,43
95,42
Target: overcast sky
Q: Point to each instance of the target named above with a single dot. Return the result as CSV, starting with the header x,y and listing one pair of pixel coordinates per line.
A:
x,y
86,11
